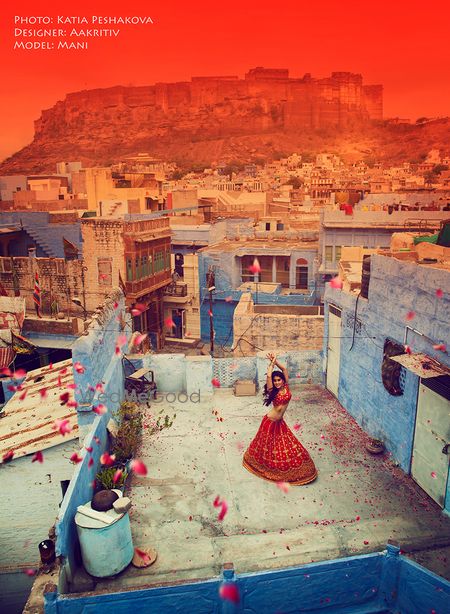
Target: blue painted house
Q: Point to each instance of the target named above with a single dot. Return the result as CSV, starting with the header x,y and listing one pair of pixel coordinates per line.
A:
x,y
387,363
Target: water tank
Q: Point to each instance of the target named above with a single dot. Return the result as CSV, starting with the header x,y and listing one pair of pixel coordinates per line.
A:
x,y
365,279
105,540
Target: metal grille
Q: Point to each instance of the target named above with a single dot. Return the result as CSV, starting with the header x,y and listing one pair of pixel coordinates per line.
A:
x,y
349,319
225,371
335,310
402,378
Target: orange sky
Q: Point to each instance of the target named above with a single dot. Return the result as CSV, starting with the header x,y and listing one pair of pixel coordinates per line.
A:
x,y
402,44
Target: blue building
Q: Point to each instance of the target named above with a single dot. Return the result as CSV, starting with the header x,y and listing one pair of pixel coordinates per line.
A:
x,y
287,277
387,363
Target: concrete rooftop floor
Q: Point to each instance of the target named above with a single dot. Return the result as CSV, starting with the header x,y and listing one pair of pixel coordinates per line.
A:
x,y
357,503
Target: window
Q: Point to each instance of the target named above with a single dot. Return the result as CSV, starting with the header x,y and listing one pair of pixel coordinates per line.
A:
x,y
337,253
267,225
129,269
104,268
145,265
329,253
247,275
150,264
280,226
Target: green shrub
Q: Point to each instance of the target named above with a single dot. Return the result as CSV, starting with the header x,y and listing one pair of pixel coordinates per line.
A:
x,y
106,478
129,435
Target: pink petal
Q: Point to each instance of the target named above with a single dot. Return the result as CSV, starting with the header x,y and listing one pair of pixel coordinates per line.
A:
x,y
322,437
210,313
96,439
117,350
358,518
62,426
216,501
121,340
228,299
138,467
100,409
336,282
30,572
23,395
99,387
433,474
39,457
78,367
410,316
19,374
75,458
89,449
229,592
117,476
169,323
116,304
439,293
90,462
296,426
441,347
215,382
6,371
408,350
106,459
139,339
64,397
365,542
63,371
72,404
143,555
255,267
138,308
43,392
223,511
284,486
8,456
71,386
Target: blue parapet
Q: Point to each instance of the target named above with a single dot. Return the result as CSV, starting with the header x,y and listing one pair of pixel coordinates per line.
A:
x,y
378,583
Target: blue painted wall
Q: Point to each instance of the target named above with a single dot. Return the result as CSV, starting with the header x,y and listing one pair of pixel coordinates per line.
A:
x,y
367,584
50,234
396,287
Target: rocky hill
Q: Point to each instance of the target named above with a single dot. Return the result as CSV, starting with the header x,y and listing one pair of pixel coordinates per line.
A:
x,y
213,120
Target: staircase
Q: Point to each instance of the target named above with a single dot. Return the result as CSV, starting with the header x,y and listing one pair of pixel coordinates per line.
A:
x,y
40,240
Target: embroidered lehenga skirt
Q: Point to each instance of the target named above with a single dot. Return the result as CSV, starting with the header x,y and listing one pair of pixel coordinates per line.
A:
x,y
276,454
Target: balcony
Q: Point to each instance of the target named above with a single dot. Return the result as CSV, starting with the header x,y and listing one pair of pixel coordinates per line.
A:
x,y
176,292
138,288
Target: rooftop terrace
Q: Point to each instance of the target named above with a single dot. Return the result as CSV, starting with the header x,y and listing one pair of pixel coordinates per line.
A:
x,y
357,503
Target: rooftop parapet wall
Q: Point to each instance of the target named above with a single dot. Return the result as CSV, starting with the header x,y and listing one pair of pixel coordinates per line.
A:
x,y
405,219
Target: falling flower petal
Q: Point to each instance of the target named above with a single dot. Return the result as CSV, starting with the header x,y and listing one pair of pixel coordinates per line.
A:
x,y
358,518
169,323
139,339
90,462
138,467
72,404
23,395
441,347
433,474
336,282
106,459
100,409
30,572
215,382
19,374
138,309
228,299
8,456
76,458
63,371
229,592
439,293
39,457
6,371
296,426
96,439
89,449
62,426
117,475
78,367
255,267
121,340
210,313
410,316
116,304
408,350
284,486
71,386
99,387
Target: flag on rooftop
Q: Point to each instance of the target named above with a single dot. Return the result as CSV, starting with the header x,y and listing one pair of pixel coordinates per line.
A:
x,y
37,294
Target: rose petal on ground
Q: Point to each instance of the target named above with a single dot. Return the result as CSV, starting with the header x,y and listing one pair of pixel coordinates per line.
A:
x,y
229,592
223,511
366,542
8,456
39,457
439,293
138,467
296,426
433,474
216,501
143,555
284,486
410,316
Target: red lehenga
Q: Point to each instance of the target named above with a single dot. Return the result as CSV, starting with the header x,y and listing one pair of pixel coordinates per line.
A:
x,y
276,454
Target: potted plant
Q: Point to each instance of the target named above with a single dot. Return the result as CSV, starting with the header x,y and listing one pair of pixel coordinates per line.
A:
x,y
105,477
